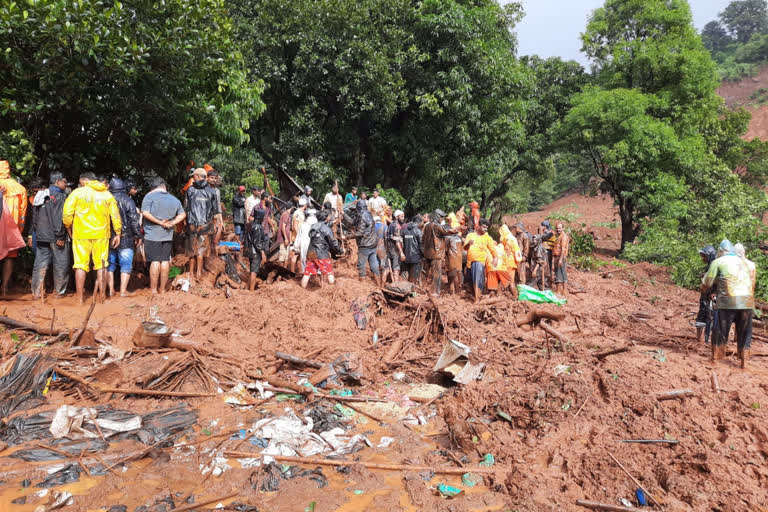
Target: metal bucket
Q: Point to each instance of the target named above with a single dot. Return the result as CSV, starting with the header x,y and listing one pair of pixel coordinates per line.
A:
x,y
152,335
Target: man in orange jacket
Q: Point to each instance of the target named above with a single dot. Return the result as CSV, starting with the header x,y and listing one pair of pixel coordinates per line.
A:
x,y
15,196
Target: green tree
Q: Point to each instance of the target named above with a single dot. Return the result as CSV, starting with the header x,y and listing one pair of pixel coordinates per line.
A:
x,y
112,87
427,98
744,18
715,37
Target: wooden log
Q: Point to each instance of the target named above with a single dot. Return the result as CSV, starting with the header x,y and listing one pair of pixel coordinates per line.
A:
x,y
302,390
594,505
535,315
371,465
206,502
649,441
79,333
553,332
675,393
601,355
18,324
620,269
298,361
634,480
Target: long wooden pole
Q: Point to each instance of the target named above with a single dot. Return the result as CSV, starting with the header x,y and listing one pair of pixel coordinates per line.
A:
x,y
594,505
370,465
634,480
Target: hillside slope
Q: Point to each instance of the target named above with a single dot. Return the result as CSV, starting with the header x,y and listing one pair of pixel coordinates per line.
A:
x,y
747,93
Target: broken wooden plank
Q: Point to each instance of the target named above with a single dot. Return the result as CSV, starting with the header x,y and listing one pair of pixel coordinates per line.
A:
x,y
601,355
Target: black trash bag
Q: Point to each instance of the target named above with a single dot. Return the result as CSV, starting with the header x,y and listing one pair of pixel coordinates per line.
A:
x,y
161,425
271,475
72,447
22,387
118,508
66,475
241,507
324,419
316,475
163,505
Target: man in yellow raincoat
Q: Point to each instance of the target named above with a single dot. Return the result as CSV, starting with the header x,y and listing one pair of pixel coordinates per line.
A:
x,y
15,196
87,214
513,256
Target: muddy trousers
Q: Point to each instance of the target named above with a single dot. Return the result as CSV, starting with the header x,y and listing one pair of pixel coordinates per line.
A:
x,y
47,253
435,274
367,255
742,319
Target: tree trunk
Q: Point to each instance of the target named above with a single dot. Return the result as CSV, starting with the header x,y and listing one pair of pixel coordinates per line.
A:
x,y
627,214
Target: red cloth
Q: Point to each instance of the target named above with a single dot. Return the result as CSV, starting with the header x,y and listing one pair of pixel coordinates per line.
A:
x,y
314,267
10,236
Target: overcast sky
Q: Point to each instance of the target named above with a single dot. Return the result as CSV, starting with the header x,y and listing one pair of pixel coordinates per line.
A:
x,y
551,28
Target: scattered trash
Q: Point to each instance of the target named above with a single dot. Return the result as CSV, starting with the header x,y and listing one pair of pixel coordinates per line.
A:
x,y
660,356
454,361
56,500
346,412
255,441
68,422
384,442
154,334
24,378
562,369
68,474
358,492
488,461
401,377
506,417
175,271
181,282
310,507
470,480
625,502
359,309
375,337
526,293
448,491
641,497
238,395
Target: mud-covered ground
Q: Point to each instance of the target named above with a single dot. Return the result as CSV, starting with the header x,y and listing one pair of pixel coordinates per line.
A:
x,y
550,412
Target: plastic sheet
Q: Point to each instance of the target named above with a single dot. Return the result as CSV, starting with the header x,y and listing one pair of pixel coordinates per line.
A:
x,y
66,475
21,386
526,293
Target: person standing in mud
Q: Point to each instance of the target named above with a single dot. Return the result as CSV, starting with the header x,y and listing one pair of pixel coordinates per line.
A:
x,y
252,201
238,211
256,244
297,219
322,245
412,248
15,197
162,212
735,280
548,239
481,251
284,235
87,214
560,257
214,182
202,207
524,243
130,237
433,247
705,315
53,246
394,239
366,239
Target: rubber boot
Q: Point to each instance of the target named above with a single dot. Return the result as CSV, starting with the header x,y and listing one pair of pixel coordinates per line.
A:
x,y
718,353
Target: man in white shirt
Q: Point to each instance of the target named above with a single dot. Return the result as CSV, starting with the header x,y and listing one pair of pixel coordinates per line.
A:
x,y
377,205
253,200
337,203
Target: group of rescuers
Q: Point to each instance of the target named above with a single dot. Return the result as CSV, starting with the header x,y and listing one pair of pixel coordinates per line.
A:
x,y
99,222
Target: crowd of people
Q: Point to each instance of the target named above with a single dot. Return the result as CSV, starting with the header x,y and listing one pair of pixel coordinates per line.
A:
x,y
99,226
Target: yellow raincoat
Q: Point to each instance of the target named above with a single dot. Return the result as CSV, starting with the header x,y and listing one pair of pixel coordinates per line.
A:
x,y
88,210
511,248
15,195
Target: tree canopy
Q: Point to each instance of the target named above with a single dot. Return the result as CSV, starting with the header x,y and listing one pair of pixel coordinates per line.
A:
x,y
103,86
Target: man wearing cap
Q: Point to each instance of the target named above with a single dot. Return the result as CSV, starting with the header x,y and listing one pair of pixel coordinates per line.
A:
x,y
297,219
162,212
252,202
130,237
87,214
395,252
52,239
15,197
433,247
238,210
202,207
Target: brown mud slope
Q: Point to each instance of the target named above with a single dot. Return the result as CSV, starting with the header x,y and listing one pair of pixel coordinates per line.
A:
x,y
745,93
550,411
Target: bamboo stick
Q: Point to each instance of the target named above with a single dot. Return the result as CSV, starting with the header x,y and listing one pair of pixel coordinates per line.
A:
x,y
675,393
370,465
601,355
634,480
649,441
594,505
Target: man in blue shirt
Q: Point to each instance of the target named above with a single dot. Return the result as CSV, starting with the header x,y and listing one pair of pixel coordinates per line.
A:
x,y
162,212
351,197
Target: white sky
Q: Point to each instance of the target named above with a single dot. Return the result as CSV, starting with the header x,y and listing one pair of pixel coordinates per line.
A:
x,y
551,28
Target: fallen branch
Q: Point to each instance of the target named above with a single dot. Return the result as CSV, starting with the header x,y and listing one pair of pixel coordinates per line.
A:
x,y
154,392
18,324
137,455
620,269
78,335
366,413
649,441
535,315
298,361
204,503
634,480
715,383
601,355
553,332
582,406
594,505
371,465
675,393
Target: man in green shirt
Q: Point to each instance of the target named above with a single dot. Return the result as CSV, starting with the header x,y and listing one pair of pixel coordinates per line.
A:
x,y
734,278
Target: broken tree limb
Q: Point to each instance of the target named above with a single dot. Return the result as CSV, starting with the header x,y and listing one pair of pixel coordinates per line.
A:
x,y
715,383
553,332
535,315
649,441
206,502
634,480
601,355
375,418
18,324
371,465
139,454
594,505
76,337
675,393
298,361
620,269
